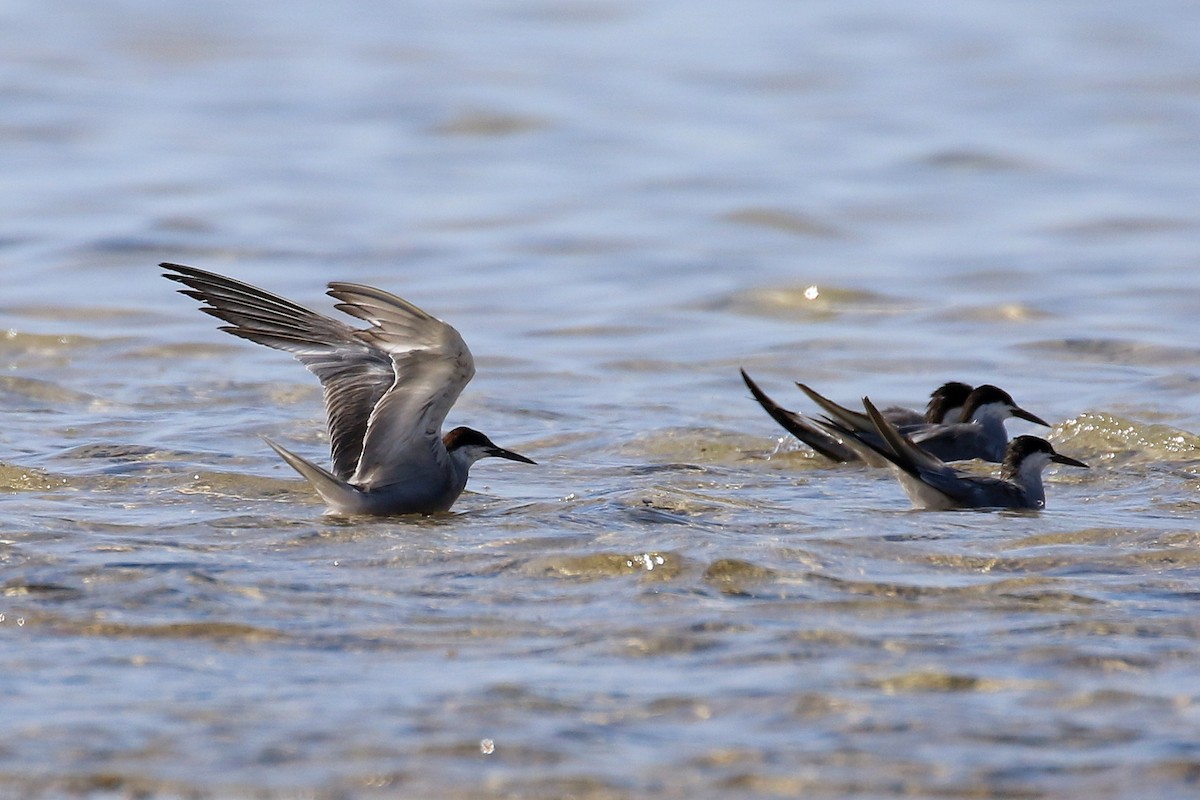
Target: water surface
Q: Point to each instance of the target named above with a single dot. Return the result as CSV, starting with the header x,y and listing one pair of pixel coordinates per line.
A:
x,y
618,205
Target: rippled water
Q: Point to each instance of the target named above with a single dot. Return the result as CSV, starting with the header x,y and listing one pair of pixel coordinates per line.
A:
x,y
618,205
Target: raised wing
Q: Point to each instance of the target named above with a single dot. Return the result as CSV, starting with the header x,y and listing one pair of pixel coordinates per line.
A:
x,y
431,365
354,372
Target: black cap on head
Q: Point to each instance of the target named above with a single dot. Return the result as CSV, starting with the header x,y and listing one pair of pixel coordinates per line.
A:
x,y
950,395
989,394
462,437
1022,447
984,395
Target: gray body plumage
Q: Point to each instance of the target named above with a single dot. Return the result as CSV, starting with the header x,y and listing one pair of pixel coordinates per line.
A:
x,y
388,388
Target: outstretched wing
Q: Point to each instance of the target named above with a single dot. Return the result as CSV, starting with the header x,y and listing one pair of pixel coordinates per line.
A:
x,y
354,373
431,365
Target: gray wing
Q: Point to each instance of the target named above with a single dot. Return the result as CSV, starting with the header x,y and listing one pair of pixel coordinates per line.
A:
x,y
898,448
851,420
931,483
354,373
903,417
977,491
431,365
955,442
923,476
961,441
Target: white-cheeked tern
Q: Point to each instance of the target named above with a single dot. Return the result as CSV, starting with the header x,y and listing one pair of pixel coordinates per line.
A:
x,y
932,484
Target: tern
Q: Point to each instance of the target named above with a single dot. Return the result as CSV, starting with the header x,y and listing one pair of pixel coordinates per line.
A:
x,y
388,388
945,406
932,484
981,434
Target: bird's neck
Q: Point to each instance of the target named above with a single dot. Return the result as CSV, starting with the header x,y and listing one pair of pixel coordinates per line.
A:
x,y
1028,476
991,419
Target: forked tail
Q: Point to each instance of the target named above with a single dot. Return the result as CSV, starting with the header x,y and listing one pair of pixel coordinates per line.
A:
x,y
337,494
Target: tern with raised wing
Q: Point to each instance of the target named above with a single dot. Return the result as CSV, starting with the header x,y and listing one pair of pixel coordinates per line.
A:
x,y
932,484
388,388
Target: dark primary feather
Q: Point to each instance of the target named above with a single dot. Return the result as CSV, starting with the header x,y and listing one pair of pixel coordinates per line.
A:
x,y
354,373
799,426
980,435
834,436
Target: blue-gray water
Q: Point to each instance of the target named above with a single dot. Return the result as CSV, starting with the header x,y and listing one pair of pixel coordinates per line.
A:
x,y
618,204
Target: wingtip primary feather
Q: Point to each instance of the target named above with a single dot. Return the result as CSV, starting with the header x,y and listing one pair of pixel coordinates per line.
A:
x,y
804,430
899,450
852,420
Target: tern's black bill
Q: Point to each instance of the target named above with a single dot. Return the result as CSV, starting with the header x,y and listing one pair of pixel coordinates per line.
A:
x,y
1061,459
500,452
1034,418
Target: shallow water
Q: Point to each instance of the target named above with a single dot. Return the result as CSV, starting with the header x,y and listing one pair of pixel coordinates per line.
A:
x,y
618,206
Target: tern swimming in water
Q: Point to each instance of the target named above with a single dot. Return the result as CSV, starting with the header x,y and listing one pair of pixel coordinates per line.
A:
x,y
980,434
934,485
388,388
945,407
